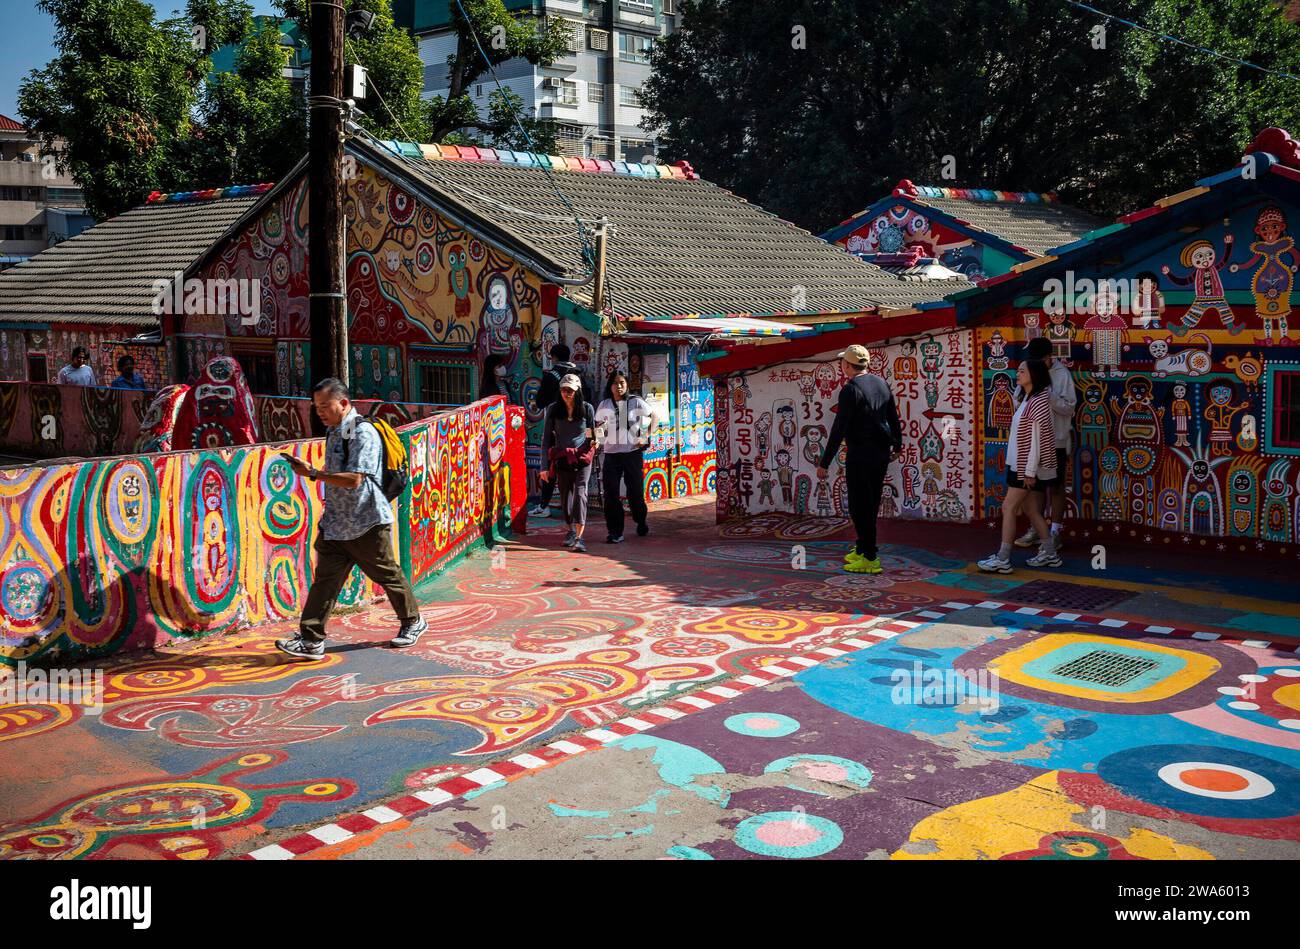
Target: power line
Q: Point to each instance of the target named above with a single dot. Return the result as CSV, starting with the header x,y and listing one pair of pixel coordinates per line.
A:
x,y
1181,42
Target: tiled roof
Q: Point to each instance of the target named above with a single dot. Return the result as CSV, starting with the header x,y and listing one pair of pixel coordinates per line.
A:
x,y
9,125
106,273
1034,222
680,245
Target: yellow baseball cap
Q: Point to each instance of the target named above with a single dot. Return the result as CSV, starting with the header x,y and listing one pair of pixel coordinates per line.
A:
x,y
856,355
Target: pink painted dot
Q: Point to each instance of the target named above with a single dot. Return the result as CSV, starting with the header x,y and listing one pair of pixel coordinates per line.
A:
x,y
787,833
759,723
825,770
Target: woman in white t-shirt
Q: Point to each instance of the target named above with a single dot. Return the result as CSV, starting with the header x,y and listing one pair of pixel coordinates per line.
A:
x,y
624,423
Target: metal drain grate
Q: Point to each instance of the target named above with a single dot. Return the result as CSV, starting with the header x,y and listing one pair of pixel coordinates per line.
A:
x,y
1068,596
1105,667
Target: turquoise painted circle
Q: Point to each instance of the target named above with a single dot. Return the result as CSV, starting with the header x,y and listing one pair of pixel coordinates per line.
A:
x,y
788,834
682,852
762,725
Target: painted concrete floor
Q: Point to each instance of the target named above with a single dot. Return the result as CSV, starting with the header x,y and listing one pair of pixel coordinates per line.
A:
x,y
706,693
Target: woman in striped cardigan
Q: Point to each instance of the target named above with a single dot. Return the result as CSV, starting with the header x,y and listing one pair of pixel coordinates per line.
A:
x,y
1031,460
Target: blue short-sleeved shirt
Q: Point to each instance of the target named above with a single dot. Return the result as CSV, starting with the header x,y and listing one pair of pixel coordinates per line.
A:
x,y
350,512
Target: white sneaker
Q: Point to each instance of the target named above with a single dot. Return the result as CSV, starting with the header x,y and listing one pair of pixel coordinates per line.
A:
x,y
1046,557
995,564
1028,539
539,510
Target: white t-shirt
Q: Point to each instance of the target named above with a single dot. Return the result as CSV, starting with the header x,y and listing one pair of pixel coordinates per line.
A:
x,y
624,423
85,376
1013,441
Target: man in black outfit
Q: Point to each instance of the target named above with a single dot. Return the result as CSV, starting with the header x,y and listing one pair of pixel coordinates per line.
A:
x,y
867,419
547,394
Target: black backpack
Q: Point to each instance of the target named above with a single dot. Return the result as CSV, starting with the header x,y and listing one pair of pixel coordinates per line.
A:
x,y
394,468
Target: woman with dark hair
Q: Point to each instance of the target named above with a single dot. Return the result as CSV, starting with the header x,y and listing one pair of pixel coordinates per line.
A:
x,y
569,444
1031,461
623,422
494,377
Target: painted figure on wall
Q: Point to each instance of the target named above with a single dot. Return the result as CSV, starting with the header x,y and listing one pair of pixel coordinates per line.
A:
x,y
458,279
1032,328
1060,332
1002,406
786,427
905,364
1275,516
497,333
218,412
1108,335
785,475
1220,413
763,427
1206,283
1094,418
1181,411
159,423
1272,282
1138,420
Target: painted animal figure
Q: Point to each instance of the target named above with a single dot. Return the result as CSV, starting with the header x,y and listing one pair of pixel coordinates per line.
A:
x,y
1185,362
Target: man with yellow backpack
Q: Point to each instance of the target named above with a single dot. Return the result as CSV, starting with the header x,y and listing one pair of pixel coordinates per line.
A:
x,y
365,469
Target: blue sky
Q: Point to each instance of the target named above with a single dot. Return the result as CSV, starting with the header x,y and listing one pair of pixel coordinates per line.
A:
x,y
27,42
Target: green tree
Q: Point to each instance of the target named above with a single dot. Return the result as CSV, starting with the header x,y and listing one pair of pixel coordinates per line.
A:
x,y
502,37
393,108
503,131
248,117
813,108
115,103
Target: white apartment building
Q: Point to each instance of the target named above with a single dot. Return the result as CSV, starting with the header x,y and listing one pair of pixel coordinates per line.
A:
x,y
592,92
39,206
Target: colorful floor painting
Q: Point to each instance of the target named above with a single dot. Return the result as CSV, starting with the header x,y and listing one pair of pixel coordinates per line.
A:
x,y
1092,742
221,747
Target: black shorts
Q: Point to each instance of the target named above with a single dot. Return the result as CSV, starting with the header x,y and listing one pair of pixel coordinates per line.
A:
x,y
1015,481
1062,459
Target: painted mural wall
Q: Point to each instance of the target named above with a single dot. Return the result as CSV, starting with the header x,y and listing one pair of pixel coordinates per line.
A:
x,y
902,227
122,553
1188,424
418,287
774,422
49,421
52,347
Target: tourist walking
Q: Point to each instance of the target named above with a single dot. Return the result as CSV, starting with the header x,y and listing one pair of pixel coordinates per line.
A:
x,y
569,445
495,380
1064,401
548,394
624,422
1031,463
78,372
867,421
355,525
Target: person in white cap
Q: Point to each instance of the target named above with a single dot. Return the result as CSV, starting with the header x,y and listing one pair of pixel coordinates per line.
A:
x,y
569,445
867,419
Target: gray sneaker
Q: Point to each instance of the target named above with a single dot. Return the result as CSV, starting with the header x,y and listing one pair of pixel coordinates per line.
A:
x,y
570,537
995,564
410,633
578,546
1028,539
301,648
539,510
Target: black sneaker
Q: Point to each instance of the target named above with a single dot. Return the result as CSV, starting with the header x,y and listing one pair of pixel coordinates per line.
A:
x,y
410,633
614,539
642,529
301,648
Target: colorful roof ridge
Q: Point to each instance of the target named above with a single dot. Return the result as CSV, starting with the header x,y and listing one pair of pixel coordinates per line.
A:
x,y
210,194
905,189
501,156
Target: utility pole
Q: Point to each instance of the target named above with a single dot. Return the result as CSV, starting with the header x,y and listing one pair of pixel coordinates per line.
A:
x,y
600,231
325,246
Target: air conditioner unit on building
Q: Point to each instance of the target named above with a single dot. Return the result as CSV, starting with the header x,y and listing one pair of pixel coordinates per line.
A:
x,y
599,39
552,82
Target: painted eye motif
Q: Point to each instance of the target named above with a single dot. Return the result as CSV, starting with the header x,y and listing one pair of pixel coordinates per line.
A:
x,y
918,225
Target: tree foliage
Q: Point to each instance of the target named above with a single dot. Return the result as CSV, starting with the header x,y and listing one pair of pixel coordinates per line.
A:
x,y
813,108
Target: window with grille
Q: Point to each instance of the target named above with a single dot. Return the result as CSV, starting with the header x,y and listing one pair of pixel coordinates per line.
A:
x,y
629,96
1286,409
567,92
595,92
669,7
445,385
639,150
572,35
598,39
569,139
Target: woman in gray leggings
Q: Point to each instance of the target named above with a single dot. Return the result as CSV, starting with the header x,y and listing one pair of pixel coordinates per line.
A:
x,y
567,438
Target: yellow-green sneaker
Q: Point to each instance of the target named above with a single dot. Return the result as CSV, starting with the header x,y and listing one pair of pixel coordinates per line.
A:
x,y
863,565
852,555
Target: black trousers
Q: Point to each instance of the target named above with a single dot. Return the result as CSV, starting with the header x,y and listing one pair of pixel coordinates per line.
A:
x,y
864,476
626,467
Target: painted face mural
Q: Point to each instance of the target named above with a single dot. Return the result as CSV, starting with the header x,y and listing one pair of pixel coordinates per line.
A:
x,y
218,411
